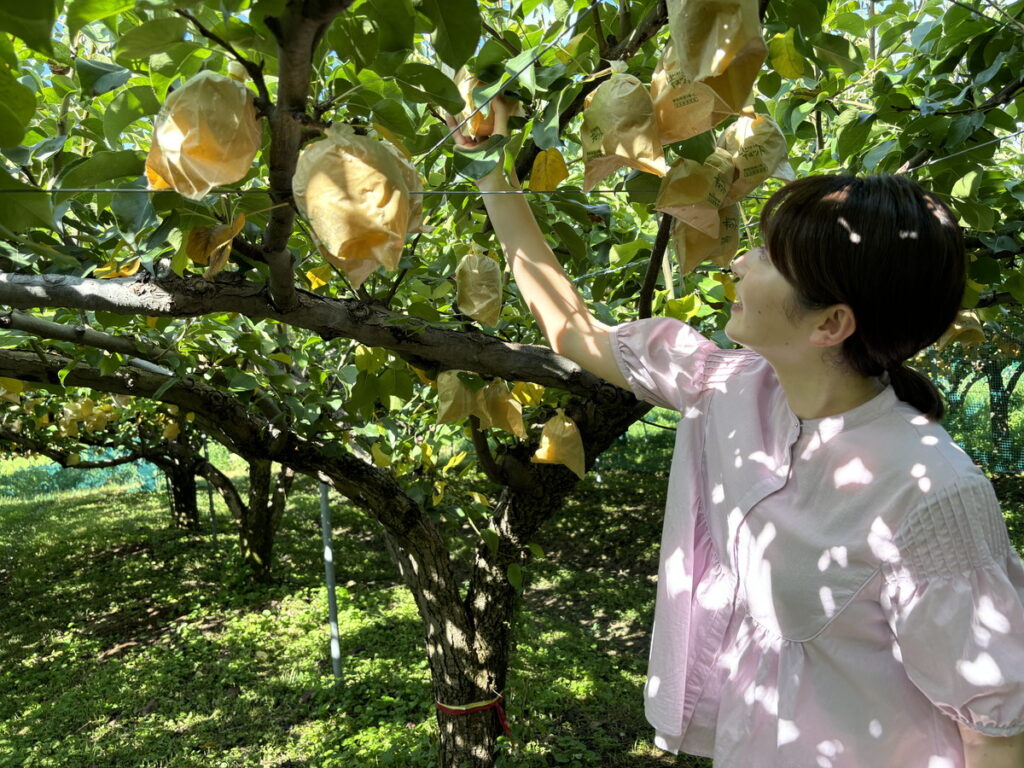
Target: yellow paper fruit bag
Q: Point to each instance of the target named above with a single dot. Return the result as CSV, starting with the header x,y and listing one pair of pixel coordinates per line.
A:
x,y
560,443
966,329
206,134
479,125
478,278
619,129
758,150
414,186
693,192
501,410
456,400
353,190
694,247
682,107
718,42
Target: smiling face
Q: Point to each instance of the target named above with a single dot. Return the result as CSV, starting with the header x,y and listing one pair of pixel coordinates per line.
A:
x,y
766,316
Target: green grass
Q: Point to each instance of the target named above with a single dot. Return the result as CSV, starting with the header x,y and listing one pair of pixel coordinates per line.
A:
x,y
126,643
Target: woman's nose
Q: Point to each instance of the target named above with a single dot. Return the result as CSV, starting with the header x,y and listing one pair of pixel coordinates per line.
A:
x,y
739,264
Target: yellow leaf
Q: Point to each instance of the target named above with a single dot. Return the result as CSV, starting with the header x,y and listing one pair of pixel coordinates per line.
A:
x,y
319,276
211,246
151,322
380,458
74,459
528,393
171,431
548,171
112,269
727,283
784,57
12,385
453,462
479,498
439,489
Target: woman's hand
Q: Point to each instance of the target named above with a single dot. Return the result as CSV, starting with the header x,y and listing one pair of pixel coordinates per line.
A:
x,y
557,306
499,108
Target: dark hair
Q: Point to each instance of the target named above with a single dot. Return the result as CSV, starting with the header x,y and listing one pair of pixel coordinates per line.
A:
x,y
886,247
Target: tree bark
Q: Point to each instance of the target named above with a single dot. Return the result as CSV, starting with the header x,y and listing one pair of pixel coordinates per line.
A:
x,y
182,481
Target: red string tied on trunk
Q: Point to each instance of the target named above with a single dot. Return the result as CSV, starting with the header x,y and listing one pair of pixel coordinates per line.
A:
x,y
478,706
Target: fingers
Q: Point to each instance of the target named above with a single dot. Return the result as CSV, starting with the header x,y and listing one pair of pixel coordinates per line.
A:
x,y
500,109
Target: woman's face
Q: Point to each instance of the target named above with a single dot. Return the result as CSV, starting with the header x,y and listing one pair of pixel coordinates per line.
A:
x,y
763,317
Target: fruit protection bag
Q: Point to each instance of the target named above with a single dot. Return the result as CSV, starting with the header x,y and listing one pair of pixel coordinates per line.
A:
x,y
718,42
758,150
693,247
682,107
456,400
560,443
478,278
354,192
619,129
501,410
693,192
479,125
206,134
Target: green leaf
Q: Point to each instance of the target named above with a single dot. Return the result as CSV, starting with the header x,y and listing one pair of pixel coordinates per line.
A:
x,y
837,52
19,103
28,207
536,549
457,32
127,107
98,77
425,84
854,127
1015,285
515,576
967,185
170,382
476,162
31,20
521,68
146,39
110,363
490,537
82,12
784,57
99,168
394,21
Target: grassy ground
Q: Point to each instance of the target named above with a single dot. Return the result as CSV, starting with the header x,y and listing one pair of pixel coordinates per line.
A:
x,y
127,644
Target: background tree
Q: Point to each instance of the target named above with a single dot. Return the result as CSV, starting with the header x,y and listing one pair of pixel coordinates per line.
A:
x,y
281,360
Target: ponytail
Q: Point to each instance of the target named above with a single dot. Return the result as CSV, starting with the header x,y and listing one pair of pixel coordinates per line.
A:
x,y
913,387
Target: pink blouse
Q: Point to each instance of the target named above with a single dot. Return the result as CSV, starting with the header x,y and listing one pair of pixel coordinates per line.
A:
x,y
835,592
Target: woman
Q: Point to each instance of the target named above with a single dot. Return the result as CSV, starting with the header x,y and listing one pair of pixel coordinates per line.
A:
x,y
836,585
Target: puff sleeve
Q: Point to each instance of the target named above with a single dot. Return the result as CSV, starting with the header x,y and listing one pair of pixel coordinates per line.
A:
x,y
954,597
667,363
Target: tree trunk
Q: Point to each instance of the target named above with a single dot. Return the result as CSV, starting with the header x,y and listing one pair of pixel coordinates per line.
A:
x,y
999,413
182,481
261,517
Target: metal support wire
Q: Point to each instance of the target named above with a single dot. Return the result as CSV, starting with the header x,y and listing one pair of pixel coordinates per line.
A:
x,y
332,599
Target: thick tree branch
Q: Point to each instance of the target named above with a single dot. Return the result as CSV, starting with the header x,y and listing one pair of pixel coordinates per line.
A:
x,y
654,266
297,30
483,452
412,338
60,456
78,334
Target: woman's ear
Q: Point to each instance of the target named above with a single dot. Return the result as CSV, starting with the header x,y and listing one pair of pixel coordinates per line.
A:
x,y
833,326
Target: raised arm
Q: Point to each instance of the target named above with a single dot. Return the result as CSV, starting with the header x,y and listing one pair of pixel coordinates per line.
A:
x,y
556,304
